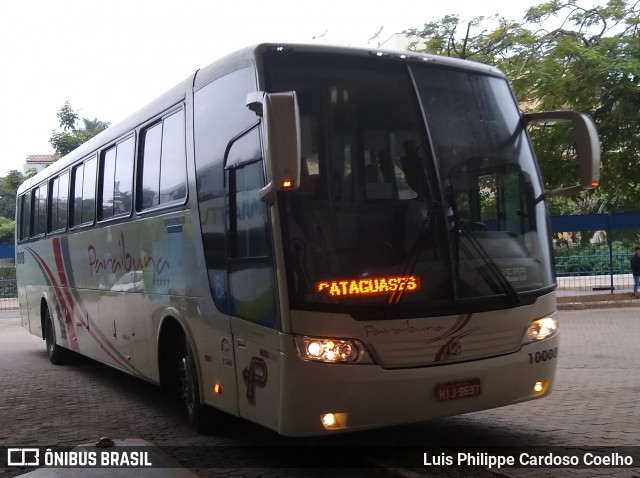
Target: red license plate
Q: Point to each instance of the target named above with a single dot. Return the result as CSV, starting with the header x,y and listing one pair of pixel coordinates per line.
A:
x,y
463,389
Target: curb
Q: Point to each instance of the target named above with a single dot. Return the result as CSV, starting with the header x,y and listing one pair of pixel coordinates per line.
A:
x,y
605,304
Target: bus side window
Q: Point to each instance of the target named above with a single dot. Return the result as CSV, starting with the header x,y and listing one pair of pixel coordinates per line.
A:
x,y
164,163
39,204
25,216
59,197
251,274
84,192
116,179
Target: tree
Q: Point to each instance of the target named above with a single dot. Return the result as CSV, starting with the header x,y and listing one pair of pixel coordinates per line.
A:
x,y
72,136
565,56
8,188
7,229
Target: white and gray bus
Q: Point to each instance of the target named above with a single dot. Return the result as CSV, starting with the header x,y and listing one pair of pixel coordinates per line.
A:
x,y
313,238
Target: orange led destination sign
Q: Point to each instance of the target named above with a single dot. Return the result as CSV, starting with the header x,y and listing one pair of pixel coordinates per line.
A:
x,y
369,286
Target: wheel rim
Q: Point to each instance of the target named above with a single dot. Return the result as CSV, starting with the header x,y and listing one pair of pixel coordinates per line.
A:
x,y
49,339
187,385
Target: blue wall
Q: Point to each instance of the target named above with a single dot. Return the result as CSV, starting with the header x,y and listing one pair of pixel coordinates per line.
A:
x,y
596,222
7,251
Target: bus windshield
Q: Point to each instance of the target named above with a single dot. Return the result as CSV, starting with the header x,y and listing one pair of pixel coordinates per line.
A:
x,y
419,189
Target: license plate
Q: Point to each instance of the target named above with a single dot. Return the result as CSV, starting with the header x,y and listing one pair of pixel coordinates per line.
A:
x,y
455,390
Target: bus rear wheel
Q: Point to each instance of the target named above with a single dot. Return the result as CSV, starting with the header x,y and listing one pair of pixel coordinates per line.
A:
x,y
57,354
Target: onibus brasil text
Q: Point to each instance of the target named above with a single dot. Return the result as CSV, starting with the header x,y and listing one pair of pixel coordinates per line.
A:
x,y
78,458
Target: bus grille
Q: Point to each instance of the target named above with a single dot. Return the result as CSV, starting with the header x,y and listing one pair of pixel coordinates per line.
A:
x,y
473,345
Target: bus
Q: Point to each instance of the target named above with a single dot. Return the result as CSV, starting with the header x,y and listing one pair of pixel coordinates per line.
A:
x,y
315,239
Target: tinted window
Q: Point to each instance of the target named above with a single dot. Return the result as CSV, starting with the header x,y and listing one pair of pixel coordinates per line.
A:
x,y
123,184
78,176
59,199
251,274
164,170
173,174
220,114
39,203
117,179
84,192
108,175
25,216
252,233
151,167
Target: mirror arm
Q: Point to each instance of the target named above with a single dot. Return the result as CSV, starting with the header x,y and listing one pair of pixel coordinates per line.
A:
x,y
255,102
267,194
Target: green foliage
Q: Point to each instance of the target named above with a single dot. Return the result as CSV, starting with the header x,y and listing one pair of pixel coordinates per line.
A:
x,y
7,230
72,136
589,63
8,188
593,259
67,117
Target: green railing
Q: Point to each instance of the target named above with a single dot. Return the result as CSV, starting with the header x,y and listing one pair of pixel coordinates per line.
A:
x,y
594,266
8,288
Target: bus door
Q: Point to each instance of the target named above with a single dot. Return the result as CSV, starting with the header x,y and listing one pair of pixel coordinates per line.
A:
x,y
254,320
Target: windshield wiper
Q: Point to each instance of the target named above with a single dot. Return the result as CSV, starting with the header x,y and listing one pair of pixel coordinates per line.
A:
x,y
491,273
414,252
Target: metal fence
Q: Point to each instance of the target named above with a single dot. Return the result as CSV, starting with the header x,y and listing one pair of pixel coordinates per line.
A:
x,y
592,251
8,288
594,269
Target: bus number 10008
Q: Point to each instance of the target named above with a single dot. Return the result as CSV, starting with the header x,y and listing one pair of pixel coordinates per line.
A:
x,y
543,356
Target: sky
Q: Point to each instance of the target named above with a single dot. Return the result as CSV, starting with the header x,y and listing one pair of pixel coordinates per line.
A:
x,y
110,58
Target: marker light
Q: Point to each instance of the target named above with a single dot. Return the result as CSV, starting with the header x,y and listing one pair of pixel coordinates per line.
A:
x,y
217,389
287,183
331,350
541,329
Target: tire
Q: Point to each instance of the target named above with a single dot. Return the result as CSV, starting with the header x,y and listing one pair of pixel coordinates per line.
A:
x,y
57,355
189,391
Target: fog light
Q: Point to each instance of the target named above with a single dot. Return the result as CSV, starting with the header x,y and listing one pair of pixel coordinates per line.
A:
x,y
334,421
540,388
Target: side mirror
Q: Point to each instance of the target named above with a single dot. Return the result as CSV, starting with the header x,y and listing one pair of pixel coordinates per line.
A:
x,y
587,146
282,139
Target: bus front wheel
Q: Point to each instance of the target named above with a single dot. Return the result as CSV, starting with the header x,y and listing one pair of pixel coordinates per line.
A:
x,y
189,389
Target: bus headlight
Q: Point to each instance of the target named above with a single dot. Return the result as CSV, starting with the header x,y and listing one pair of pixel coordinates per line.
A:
x,y
328,350
541,329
